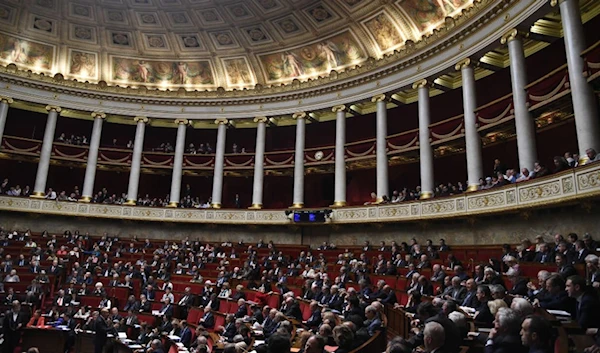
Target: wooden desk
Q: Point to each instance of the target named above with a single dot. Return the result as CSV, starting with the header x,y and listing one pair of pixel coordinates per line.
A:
x,y
48,340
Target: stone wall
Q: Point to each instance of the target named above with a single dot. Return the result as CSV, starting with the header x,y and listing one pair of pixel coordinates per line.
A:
x,y
481,230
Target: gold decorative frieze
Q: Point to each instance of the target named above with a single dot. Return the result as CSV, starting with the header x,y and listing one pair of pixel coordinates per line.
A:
x,y
579,183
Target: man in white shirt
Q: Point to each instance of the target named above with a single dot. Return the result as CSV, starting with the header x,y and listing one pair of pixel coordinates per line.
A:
x,y
51,195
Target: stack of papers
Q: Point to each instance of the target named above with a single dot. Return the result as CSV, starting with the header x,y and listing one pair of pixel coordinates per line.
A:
x,y
559,313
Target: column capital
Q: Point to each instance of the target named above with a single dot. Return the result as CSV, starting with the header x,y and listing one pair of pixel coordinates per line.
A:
x,y
462,64
378,98
7,100
510,36
142,119
181,121
98,115
299,115
221,121
554,3
420,83
338,108
55,108
261,119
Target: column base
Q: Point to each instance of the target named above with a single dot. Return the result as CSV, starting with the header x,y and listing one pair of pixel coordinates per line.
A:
x,y
255,206
130,203
338,204
426,195
85,199
297,205
173,204
37,195
473,187
216,205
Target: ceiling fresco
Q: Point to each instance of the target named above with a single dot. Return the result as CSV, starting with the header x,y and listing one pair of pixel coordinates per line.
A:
x,y
207,44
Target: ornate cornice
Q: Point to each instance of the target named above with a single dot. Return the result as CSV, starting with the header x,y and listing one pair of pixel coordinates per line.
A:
x,y
576,184
315,92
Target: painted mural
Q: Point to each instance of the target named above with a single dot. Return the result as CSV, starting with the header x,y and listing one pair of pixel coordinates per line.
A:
x,y
155,72
385,33
238,72
428,14
26,53
333,53
83,64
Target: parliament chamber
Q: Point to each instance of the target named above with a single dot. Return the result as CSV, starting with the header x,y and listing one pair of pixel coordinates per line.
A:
x,y
274,176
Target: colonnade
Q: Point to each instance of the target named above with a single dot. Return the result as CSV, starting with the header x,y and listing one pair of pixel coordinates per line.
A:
x,y
585,108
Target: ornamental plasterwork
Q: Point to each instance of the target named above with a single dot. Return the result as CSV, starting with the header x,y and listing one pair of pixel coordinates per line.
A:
x,y
544,192
164,74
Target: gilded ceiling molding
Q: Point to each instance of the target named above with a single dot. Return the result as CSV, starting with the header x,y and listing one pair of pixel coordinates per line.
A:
x,y
143,119
221,121
261,119
182,121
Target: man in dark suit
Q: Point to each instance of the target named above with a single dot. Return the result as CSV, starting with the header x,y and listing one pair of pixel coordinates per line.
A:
x,y
390,296
471,296
373,322
536,333
186,302
564,269
544,255
145,305
13,322
102,329
186,334
556,298
581,251
428,313
315,318
71,325
149,292
458,292
588,305
208,319
167,308
131,304
434,337
242,309
293,309
519,285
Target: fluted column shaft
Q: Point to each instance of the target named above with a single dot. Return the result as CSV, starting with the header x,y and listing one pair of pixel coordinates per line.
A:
x,y
44,164
136,160
472,138
92,160
426,153
339,199
175,194
523,122
4,103
217,191
298,196
585,107
259,163
381,148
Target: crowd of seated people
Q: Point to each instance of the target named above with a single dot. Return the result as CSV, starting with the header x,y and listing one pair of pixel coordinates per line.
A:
x,y
344,293
500,176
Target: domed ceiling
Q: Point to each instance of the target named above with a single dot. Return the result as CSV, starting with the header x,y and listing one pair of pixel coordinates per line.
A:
x,y
207,44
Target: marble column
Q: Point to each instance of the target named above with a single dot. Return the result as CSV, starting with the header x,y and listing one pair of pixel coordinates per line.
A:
x,y
339,199
41,177
585,106
426,153
217,190
136,160
298,197
259,163
4,103
92,159
381,148
524,123
175,194
472,138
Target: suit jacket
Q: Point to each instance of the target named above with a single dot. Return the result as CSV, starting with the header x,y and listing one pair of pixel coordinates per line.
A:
x,y
167,310
520,287
209,320
150,295
186,337
131,320
187,300
335,302
543,258
294,311
506,344
374,325
579,257
102,330
562,301
241,311
230,331
315,319
390,298
470,300
135,306
587,311
458,294
566,271
145,307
